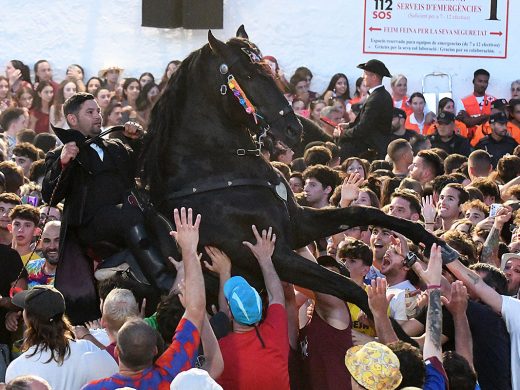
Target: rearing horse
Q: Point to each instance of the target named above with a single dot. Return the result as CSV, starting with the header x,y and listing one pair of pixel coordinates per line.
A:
x,y
201,151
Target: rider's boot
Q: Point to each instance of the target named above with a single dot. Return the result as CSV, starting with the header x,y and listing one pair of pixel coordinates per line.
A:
x,y
150,259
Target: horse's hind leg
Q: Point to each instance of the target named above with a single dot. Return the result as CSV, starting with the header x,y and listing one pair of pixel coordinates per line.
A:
x,y
310,224
300,271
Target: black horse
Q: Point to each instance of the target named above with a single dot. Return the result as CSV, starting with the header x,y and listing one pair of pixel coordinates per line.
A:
x,y
202,152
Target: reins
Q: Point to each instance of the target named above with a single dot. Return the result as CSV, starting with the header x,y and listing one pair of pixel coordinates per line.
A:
x,y
87,142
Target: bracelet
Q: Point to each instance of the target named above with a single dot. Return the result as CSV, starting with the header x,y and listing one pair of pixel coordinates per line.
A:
x,y
429,223
433,286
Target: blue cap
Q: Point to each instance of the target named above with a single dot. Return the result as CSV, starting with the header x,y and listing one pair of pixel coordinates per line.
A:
x,y
244,301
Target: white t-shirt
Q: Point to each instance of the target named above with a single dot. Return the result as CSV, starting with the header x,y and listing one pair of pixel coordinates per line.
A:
x,y
85,363
398,302
511,315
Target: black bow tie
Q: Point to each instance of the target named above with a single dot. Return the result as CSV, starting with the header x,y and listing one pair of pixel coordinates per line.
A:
x,y
97,141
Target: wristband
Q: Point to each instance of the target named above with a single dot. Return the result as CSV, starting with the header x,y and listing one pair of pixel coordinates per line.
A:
x,y
433,286
429,223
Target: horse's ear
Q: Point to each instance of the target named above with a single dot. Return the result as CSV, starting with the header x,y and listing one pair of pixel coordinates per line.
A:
x,y
217,47
241,32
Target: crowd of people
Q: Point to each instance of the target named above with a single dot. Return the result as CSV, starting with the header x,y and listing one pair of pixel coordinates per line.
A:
x,y
455,170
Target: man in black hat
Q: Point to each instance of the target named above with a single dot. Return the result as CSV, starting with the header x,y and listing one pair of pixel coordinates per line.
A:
x,y
445,138
498,143
372,128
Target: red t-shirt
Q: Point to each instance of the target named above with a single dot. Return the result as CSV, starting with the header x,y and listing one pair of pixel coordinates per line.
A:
x,y
247,365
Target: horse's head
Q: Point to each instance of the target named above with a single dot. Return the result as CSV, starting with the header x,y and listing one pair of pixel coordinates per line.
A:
x,y
252,96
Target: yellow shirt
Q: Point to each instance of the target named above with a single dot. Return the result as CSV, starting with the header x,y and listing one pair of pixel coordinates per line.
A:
x,y
25,258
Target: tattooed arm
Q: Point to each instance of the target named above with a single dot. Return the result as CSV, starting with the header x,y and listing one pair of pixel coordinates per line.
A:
x,y
432,277
490,250
474,283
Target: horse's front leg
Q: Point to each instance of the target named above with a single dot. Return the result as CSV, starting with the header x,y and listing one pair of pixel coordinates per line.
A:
x,y
309,224
295,269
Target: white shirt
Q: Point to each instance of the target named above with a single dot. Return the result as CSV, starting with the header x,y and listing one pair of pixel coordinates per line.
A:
x,y
398,302
374,88
414,121
85,363
511,315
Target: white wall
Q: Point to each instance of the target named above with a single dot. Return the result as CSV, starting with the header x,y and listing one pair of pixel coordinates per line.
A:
x,y
326,36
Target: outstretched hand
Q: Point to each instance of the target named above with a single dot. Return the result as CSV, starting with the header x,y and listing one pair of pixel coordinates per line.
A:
x,y
432,275
377,299
264,247
220,262
187,233
458,301
350,186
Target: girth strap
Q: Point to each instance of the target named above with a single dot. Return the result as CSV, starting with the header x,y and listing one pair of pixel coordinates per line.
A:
x,y
219,185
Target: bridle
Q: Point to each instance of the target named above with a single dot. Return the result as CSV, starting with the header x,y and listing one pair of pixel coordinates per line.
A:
x,y
230,83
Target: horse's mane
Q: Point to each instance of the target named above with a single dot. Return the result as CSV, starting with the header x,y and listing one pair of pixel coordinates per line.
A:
x,y
165,118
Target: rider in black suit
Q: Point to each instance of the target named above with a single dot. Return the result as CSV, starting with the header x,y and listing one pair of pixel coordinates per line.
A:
x,y
372,128
95,183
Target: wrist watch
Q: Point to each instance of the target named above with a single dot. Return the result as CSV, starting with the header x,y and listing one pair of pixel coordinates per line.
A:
x,y
410,259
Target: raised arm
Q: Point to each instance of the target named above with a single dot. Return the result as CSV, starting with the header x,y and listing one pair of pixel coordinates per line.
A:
x,y
263,250
378,302
490,249
214,363
187,236
221,265
457,305
475,283
432,278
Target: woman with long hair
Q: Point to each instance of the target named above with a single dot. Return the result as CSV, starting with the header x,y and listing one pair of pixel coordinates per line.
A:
x,y
77,73
66,89
102,97
146,78
93,84
39,121
279,77
131,90
146,99
338,87
399,86
5,94
50,348
170,68
18,74
315,109
24,98
361,92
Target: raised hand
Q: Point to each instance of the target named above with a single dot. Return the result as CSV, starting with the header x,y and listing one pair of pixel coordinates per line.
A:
x,y
264,247
377,299
187,233
350,186
432,275
458,301
428,210
220,262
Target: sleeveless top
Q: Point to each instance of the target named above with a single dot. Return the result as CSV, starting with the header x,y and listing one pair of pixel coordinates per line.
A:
x,y
323,349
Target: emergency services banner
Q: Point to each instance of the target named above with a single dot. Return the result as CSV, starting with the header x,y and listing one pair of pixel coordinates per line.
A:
x,y
457,28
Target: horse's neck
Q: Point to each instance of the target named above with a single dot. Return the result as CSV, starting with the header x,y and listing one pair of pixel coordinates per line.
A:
x,y
207,154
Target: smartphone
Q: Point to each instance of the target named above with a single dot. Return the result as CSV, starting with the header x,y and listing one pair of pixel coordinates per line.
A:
x,y
328,121
32,200
493,209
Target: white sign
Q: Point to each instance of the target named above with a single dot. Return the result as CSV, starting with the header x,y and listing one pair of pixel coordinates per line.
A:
x,y
458,28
